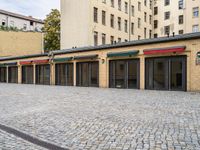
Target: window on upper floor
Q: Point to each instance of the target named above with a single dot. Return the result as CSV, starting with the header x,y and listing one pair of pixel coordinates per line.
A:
x,y
112,3
112,20
139,6
31,23
150,19
95,38
126,26
104,1
112,40
119,40
103,17
155,24
139,37
180,32
119,23
150,34
145,17
120,4
155,10
132,28
167,30
180,4
167,15
103,39
155,35
3,22
195,28
139,22
167,2
150,4
196,12
133,10
126,7
145,2
95,14
145,33
180,19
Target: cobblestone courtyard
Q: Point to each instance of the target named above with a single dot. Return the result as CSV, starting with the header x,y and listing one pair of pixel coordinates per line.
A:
x,y
94,118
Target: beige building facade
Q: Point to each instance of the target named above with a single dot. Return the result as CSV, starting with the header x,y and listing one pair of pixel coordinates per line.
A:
x,y
100,22
20,43
168,63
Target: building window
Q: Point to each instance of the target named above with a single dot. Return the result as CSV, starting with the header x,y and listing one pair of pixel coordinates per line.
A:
x,y
133,11
112,20
132,28
155,24
119,4
126,7
103,39
167,15
145,33
139,6
195,28
150,34
180,31
25,27
104,1
155,35
155,10
150,19
145,2
139,22
150,4
119,40
95,14
125,40
145,17
95,38
119,23
12,24
139,37
103,17
31,23
196,12
112,39
126,25
167,2
180,19
167,30
112,3
180,4
3,22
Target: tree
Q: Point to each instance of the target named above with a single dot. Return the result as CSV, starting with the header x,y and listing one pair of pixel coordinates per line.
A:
x,y
51,31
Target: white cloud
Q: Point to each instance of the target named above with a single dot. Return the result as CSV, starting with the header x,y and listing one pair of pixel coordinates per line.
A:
x,y
35,8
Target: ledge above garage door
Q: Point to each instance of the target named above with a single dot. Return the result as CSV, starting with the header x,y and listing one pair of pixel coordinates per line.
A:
x,y
123,54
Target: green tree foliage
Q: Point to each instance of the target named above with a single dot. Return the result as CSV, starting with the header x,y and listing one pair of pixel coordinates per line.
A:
x,y
51,31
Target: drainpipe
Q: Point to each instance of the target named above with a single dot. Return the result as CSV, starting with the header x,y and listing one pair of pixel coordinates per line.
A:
x,y
129,20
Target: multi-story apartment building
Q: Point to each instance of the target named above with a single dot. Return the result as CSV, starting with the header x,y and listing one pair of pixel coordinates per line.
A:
x,y
99,22
25,23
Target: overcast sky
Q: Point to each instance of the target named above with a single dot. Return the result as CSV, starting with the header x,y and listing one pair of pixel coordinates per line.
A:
x,y
35,8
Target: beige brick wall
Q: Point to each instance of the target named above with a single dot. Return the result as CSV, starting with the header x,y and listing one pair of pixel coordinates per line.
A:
x,y
20,43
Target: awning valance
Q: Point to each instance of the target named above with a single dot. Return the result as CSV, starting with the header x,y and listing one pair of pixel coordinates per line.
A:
x,y
177,49
25,62
123,54
43,61
86,57
2,65
11,64
62,59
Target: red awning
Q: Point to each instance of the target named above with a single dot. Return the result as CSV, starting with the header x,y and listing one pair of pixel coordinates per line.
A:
x,y
176,49
43,61
25,62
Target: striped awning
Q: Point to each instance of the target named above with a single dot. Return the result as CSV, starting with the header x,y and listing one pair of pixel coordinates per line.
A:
x,y
86,57
123,54
42,61
25,62
62,59
175,49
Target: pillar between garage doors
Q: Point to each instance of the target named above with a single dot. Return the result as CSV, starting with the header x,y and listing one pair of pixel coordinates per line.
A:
x,y
142,72
52,74
19,68
103,72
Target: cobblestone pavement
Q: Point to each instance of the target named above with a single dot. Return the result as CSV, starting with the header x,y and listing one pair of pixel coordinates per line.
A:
x,y
95,118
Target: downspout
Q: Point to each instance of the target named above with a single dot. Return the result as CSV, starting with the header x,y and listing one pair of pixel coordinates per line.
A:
x,y
129,20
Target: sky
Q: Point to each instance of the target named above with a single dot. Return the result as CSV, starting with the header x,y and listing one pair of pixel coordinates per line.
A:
x,y
36,8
